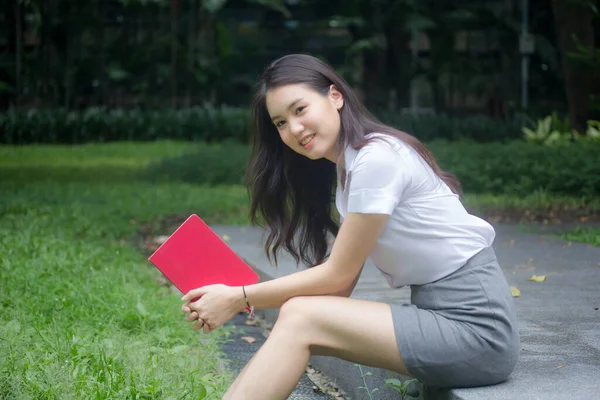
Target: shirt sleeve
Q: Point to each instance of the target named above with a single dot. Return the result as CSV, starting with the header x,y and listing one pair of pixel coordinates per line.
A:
x,y
378,179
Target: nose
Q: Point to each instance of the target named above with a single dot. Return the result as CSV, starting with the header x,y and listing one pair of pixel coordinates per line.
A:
x,y
296,128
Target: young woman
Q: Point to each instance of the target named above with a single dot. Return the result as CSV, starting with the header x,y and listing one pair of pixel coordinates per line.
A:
x,y
311,136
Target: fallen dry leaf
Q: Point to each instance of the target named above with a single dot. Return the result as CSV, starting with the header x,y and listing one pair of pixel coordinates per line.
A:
x,y
323,384
515,291
248,339
251,322
538,278
560,366
226,238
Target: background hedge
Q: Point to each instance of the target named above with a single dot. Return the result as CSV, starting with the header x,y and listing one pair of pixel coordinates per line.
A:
x,y
516,167
103,125
214,125
519,168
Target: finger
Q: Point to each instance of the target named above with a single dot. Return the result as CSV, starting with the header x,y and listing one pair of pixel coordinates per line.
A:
x,y
207,328
192,294
185,308
192,317
198,325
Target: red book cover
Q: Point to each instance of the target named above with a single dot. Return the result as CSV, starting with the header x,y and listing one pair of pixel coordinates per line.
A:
x,y
195,256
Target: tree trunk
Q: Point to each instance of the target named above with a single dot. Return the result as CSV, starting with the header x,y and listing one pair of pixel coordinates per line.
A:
x,y
399,71
18,52
441,53
572,19
174,16
191,46
358,74
101,14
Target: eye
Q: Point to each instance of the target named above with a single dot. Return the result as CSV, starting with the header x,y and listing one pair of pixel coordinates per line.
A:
x,y
279,124
299,109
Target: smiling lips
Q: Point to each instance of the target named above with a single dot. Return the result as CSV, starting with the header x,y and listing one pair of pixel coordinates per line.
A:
x,y
306,139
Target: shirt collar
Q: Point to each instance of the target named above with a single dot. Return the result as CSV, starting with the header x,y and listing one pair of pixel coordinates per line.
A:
x,y
350,154
344,173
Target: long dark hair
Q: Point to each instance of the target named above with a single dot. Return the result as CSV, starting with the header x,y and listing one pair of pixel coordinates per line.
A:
x,y
291,193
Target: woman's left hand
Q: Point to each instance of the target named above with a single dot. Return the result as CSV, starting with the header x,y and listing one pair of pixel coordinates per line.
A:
x,y
217,305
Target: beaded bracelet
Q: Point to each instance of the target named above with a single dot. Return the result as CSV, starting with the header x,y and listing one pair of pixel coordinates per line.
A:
x,y
249,308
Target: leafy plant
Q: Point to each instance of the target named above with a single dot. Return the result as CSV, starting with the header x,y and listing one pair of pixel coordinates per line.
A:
x,y
550,131
407,388
593,130
365,386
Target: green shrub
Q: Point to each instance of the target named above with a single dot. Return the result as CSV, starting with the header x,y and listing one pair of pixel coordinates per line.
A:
x,y
513,168
475,128
211,124
519,168
61,126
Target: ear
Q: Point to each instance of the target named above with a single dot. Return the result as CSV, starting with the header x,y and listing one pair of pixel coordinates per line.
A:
x,y
336,97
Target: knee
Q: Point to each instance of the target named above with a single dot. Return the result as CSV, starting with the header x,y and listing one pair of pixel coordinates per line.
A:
x,y
295,308
294,315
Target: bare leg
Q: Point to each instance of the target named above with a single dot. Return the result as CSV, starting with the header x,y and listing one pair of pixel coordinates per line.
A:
x,y
239,378
354,330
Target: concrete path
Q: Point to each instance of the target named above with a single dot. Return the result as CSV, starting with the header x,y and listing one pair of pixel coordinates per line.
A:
x,y
559,318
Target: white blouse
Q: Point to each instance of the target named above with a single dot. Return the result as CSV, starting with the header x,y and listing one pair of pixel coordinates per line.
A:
x,y
429,233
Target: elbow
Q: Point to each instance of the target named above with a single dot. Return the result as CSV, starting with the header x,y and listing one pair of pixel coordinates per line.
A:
x,y
339,282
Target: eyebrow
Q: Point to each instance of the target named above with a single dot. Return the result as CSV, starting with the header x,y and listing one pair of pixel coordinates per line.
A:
x,y
292,104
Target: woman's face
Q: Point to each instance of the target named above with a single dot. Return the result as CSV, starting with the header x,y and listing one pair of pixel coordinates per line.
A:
x,y
307,121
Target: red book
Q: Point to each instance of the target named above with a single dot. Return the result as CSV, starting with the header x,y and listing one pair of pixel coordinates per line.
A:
x,y
195,256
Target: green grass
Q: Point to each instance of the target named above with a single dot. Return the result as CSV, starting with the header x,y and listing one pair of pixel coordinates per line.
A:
x,y
106,162
81,312
102,154
585,235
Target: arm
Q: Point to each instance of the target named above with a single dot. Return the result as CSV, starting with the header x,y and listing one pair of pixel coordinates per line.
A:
x,y
348,291
380,177
355,240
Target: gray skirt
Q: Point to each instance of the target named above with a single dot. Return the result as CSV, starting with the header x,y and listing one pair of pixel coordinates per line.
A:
x,y
460,331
